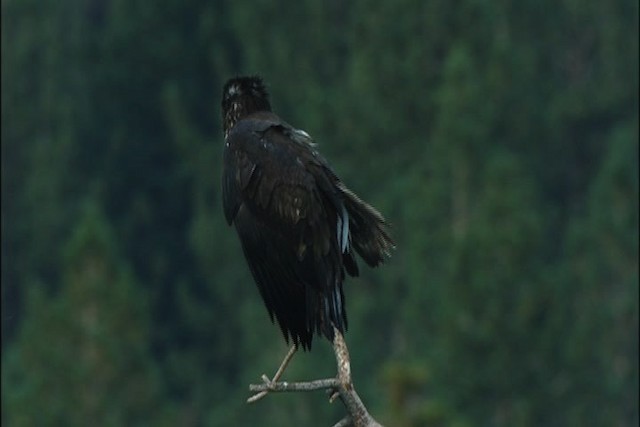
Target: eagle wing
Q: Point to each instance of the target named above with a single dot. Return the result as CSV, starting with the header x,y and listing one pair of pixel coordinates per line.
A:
x,y
289,211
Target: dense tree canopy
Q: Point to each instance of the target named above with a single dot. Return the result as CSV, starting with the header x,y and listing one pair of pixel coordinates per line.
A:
x,y
499,138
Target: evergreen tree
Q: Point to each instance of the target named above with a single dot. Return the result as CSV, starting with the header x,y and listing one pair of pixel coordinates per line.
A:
x,y
82,355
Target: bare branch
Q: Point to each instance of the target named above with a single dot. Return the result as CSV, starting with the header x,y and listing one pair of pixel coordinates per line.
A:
x,y
345,422
341,387
328,383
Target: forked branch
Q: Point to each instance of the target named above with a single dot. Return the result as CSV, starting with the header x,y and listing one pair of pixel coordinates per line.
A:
x,y
341,386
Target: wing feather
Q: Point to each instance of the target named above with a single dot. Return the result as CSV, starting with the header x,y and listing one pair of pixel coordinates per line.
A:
x,y
294,222
298,225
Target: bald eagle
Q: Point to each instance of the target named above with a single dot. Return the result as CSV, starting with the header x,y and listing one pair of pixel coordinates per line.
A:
x,y
299,225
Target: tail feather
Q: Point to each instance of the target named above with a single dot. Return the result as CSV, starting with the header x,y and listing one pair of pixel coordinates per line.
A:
x,y
369,230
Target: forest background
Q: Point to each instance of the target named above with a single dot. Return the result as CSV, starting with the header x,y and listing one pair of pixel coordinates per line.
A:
x,y
500,138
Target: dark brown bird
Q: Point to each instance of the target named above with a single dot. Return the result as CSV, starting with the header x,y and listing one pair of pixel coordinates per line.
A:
x,y
299,225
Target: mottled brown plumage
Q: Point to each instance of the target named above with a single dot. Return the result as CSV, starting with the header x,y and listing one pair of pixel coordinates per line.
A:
x,y
297,222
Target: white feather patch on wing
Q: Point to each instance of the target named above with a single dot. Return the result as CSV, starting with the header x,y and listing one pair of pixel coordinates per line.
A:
x,y
343,230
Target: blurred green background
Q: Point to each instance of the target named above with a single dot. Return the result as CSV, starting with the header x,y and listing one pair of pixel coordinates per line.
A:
x,y
499,138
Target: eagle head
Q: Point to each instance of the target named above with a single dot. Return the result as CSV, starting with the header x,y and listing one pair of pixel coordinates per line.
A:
x,y
242,96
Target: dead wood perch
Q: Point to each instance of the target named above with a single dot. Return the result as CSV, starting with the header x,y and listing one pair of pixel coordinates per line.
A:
x,y
341,386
